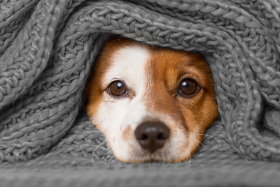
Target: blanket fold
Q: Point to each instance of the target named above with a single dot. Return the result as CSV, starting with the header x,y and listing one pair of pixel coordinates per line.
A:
x,y
48,49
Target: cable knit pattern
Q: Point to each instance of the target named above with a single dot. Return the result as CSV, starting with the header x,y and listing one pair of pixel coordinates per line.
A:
x,y
47,52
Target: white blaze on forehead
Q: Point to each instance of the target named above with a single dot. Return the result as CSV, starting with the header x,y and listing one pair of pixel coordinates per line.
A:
x,y
115,115
128,63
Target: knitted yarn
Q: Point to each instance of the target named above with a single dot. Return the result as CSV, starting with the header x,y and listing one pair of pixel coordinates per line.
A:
x,y
48,49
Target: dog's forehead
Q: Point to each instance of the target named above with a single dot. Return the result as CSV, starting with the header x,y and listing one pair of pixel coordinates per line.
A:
x,y
130,57
128,63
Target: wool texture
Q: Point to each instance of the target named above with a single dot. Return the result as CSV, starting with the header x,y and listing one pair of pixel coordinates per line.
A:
x,y
47,52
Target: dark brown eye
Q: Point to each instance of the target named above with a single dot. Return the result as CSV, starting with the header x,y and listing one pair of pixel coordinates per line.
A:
x,y
188,86
117,88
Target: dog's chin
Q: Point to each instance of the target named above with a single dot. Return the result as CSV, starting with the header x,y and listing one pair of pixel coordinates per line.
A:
x,y
145,156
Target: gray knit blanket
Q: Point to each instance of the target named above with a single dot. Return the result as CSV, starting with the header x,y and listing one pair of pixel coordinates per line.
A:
x,y
48,49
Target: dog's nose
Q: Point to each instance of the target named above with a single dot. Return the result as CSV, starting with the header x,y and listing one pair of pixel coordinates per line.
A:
x,y
152,135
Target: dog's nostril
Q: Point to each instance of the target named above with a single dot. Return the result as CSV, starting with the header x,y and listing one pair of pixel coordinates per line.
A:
x,y
152,135
160,137
144,137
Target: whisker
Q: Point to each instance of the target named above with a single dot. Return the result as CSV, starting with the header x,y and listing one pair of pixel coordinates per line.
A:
x,y
199,142
107,155
217,139
92,155
112,156
99,146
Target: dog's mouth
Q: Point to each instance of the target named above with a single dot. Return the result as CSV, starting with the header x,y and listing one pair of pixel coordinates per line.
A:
x,y
146,156
158,156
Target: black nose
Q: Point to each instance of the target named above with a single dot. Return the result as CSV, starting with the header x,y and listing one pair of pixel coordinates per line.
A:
x,y
152,135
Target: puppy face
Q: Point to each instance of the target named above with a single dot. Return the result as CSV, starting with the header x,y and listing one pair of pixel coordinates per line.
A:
x,y
152,104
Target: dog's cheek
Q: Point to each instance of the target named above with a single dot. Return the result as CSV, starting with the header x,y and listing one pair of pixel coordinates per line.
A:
x,y
110,116
184,143
181,146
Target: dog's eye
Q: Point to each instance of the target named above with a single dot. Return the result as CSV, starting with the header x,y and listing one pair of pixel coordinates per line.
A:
x,y
117,88
188,86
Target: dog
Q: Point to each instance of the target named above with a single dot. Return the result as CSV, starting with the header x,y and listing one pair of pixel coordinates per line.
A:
x,y
151,103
